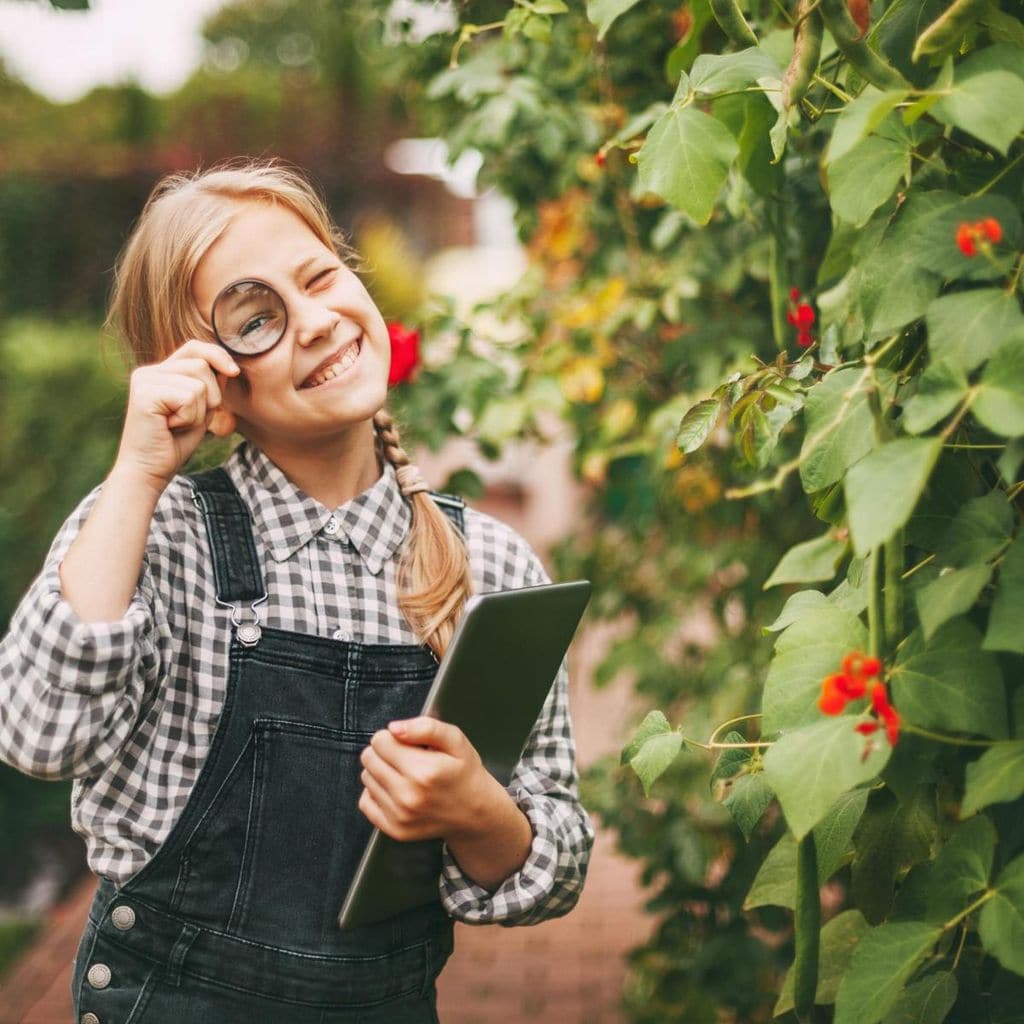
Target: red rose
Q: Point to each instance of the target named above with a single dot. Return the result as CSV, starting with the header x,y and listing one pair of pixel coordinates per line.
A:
x,y
405,352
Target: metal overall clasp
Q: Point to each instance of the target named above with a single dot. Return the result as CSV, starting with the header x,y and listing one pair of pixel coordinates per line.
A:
x,y
248,633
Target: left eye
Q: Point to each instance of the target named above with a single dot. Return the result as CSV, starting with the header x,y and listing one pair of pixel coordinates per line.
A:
x,y
323,274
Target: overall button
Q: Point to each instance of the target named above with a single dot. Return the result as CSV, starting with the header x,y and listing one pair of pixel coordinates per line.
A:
x,y
90,1018
331,526
99,975
341,634
123,917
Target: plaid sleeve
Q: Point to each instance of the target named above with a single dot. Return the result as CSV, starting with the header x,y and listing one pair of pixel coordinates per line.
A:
x,y
71,691
545,787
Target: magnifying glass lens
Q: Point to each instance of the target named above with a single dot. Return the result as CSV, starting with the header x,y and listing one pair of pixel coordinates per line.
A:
x,y
249,317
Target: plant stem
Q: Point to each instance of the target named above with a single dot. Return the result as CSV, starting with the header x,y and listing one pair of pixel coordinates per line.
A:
x,y
876,638
893,593
939,737
980,901
807,926
920,565
732,721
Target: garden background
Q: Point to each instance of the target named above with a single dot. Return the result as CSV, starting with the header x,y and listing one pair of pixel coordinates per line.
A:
x,y
773,293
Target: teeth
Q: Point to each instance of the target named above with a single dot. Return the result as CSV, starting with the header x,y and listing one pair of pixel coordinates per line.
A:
x,y
332,371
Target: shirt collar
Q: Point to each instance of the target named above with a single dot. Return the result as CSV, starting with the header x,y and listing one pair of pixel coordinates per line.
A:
x,y
374,522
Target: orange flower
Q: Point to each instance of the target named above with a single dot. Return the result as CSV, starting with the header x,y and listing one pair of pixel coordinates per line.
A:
x,y
980,234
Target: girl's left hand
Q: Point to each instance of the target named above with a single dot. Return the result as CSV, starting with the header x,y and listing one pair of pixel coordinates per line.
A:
x,y
423,779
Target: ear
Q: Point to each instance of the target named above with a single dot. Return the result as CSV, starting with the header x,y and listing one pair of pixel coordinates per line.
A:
x,y
222,423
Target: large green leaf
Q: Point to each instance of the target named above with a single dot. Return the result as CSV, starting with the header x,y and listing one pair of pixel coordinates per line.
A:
x,y
1001,922
686,159
714,73
978,531
884,959
1004,621
949,683
739,783
805,653
654,757
986,100
839,939
816,559
951,594
996,777
796,607
961,869
965,328
863,179
775,882
811,767
883,488
860,118
925,1001
839,428
940,389
603,12
892,836
697,424
1000,401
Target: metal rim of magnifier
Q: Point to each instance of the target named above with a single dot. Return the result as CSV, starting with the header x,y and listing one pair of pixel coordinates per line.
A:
x,y
235,284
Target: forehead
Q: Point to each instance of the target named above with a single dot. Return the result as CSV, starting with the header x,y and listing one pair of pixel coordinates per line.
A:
x,y
263,240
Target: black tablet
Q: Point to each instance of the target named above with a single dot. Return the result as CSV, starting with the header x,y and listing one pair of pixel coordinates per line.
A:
x,y
492,683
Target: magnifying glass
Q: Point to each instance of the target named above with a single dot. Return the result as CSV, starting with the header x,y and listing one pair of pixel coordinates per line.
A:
x,y
249,317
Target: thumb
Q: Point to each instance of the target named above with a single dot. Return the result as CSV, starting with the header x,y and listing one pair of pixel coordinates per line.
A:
x,y
426,732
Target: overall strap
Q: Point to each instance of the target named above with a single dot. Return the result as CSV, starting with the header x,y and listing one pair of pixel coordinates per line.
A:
x,y
236,566
452,506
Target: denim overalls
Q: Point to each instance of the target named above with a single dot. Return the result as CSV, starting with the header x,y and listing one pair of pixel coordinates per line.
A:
x,y
234,919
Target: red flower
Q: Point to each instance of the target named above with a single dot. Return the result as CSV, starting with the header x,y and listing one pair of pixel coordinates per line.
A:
x,y
965,240
890,716
858,663
970,236
832,699
992,229
800,315
405,352
866,728
599,158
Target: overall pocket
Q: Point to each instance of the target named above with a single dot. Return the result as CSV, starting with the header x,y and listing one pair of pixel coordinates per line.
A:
x,y
304,833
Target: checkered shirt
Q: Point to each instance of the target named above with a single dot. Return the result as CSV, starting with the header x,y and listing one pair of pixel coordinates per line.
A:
x,y
128,708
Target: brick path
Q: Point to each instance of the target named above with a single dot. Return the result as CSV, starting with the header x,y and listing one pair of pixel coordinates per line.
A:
x,y
567,971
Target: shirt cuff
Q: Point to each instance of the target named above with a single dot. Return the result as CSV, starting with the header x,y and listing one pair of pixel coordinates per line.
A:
x,y
83,657
521,892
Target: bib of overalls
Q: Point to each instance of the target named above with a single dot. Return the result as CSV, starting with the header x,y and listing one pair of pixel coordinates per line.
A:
x,y
234,918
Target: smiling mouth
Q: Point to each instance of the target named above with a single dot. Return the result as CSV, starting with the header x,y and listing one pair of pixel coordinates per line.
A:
x,y
340,365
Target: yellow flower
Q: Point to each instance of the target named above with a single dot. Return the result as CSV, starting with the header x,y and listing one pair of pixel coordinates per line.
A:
x,y
618,418
582,380
595,468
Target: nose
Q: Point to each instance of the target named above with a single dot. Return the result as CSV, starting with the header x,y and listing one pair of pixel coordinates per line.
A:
x,y
313,320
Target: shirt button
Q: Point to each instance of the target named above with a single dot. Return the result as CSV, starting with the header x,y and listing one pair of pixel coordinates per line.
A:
x,y
90,1018
341,634
99,975
123,917
331,526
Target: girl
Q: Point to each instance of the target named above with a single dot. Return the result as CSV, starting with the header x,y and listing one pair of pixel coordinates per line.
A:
x,y
229,663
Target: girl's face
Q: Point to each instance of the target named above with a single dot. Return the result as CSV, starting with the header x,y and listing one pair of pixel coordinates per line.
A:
x,y
330,317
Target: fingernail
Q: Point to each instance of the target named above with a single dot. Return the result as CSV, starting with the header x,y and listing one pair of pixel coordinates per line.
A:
x,y
397,727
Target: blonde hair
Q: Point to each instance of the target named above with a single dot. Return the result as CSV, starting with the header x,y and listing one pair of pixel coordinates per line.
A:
x,y
152,312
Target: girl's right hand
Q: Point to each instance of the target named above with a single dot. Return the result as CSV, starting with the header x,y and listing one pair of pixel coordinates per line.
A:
x,y
171,406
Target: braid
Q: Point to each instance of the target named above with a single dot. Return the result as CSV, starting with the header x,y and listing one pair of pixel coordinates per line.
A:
x,y
433,572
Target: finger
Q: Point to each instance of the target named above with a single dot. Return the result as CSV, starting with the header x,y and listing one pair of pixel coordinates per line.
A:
x,y
200,370
382,798
216,355
385,773
429,732
391,752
